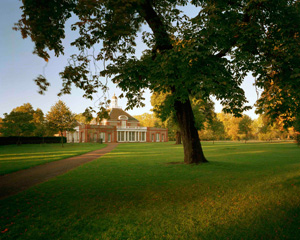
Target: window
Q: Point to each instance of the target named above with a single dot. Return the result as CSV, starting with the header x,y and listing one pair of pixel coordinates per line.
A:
x,y
162,137
102,136
157,137
120,136
142,137
123,124
152,137
109,137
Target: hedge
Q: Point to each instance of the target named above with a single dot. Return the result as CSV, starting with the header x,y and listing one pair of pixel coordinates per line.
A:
x,y
30,140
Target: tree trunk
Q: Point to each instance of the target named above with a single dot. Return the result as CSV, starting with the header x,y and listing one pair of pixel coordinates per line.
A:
x,y
185,117
19,140
178,137
62,139
191,143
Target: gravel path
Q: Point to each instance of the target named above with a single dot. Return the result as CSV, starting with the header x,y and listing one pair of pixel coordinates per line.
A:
x,y
13,183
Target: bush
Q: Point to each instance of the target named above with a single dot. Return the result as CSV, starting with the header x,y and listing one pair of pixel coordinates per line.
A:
x,y
30,140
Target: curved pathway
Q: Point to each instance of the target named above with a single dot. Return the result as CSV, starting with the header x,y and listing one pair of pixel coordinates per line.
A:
x,y
13,183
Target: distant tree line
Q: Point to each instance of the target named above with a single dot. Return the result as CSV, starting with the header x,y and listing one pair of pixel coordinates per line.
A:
x,y
24,121
219,126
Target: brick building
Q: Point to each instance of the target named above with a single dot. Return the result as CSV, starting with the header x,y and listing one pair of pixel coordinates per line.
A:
x,y
119,127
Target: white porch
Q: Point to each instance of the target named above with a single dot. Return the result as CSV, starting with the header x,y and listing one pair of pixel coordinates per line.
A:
x,y
131,134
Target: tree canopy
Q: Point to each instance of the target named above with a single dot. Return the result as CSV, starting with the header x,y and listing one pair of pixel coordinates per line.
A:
x,y
23,121
208,55
61,119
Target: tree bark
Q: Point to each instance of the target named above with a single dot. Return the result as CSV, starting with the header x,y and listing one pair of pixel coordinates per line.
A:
x,y
191,143
62,139
178,137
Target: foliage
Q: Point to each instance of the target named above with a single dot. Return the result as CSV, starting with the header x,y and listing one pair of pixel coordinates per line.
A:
x,y
231,125
60,118
81,119
17,123
203,111
217,128
245,126
249,191
208,55
297,129
25,121
147,120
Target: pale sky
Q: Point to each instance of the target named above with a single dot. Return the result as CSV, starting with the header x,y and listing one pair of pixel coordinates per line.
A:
x,y
18,68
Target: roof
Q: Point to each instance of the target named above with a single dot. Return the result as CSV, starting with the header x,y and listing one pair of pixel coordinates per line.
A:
x,y
116,112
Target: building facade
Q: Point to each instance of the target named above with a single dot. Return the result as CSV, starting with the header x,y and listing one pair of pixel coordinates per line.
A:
x,y
119,127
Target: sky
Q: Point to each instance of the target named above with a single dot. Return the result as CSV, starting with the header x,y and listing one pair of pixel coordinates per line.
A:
x,y
19,67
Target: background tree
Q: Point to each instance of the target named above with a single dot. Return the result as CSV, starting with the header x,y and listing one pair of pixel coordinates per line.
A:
x,y
17,124
166,113
245,126
217,128
297,129
209,54
83,119
41,126
231,125
147,120
61,119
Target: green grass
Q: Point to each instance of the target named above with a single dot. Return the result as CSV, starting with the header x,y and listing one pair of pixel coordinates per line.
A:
x,y
246,191
14,158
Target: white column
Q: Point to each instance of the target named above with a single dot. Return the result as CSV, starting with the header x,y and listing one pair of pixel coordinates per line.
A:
x,y
125,136
138,139
128,136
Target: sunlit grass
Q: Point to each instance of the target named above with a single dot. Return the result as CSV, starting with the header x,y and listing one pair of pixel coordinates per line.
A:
x,y
247,191
14,158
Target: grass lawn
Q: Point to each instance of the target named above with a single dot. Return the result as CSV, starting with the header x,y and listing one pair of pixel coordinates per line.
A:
x,y
14,158
246,191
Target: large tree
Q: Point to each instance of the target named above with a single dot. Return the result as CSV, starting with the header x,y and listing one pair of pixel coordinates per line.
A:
x,y
209,54
19,122
61,119
203,110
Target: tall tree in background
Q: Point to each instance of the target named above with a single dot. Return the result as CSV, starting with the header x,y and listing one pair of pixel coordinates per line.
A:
x,y
217,128
147,120
209,54
61,119
245,126
231,125
17,124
